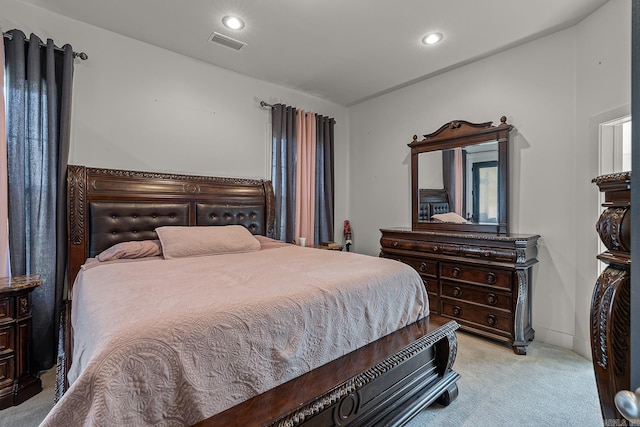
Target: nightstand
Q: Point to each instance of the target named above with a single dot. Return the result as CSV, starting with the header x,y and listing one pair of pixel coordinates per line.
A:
x,y
17,383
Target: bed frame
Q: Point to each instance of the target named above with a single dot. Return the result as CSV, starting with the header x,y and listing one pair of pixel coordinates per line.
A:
x,y
384,383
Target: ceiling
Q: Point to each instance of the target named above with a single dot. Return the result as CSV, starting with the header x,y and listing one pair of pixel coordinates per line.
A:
x,y
345,51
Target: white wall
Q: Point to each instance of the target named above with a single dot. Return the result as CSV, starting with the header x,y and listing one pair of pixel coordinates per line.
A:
x,y
547,88
136,106
603,89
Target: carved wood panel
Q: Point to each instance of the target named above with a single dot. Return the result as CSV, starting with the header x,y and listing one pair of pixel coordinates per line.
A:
x,y
610,303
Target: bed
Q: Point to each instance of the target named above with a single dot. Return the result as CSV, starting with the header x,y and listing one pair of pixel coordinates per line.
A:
x,y
432,202
151,341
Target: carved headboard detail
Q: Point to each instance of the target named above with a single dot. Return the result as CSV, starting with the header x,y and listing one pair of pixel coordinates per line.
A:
x,y
109,206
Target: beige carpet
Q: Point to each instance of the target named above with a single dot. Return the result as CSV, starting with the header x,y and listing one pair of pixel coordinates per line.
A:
x,y
548,387
33,411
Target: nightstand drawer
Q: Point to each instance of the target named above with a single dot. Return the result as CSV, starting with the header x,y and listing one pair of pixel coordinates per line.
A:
x,y
6,339
5,310
479,275
6,371
476,294
477,316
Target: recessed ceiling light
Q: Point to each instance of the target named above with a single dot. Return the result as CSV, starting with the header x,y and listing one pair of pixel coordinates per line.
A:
x,y
432,38
233,22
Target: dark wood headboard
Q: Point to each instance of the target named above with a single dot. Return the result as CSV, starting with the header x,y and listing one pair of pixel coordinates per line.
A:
x,y
432,201
109,206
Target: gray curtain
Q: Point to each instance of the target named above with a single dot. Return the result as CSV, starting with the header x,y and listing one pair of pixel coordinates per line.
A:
x,y
325,185
283,169
449,175
38,84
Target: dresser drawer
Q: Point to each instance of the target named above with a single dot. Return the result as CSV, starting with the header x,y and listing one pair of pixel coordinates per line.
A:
x,y
434,304
426,267
477,316
479,275
6,339
476,294
431,285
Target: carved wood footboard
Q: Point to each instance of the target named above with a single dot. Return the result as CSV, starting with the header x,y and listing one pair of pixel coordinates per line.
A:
x,y
364,388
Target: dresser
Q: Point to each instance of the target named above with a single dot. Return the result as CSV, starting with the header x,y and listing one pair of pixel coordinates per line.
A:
x,y
481,280
17,382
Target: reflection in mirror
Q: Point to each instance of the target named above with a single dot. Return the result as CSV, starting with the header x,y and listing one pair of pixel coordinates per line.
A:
x,y
459,178
463,180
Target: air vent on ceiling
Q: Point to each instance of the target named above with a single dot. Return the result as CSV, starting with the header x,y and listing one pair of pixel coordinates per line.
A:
x,y
226,41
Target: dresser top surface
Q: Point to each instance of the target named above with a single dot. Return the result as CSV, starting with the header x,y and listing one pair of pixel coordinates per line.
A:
x,y
16,283
511,237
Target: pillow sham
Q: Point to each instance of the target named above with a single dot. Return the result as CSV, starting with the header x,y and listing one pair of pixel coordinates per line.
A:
x,y
449,217
131,250
180,242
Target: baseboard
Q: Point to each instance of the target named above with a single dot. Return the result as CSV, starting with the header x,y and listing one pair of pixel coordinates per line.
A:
x,y
578,345
582,347
549,336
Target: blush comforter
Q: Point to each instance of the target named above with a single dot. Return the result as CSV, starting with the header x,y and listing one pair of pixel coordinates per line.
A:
x,y
171,342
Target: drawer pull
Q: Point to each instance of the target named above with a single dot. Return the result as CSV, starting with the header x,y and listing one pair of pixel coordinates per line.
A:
x,y
436,248
457,292
457,311
395,244
456,272
423,267
491,278
492,320
491,299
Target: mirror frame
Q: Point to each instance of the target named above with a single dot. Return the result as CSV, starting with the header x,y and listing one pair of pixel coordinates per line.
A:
x,y
460,133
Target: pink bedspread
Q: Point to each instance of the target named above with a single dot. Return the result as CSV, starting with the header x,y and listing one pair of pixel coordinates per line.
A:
x,y
171,342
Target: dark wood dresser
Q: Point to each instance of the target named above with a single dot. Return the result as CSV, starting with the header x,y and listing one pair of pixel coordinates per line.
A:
x,y
17,383
481,280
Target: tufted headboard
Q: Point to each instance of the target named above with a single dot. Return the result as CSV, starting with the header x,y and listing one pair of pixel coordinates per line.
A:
x,y
109,206
432,201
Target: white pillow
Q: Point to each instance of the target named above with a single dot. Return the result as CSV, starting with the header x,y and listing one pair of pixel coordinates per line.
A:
x,y
449,217
180,242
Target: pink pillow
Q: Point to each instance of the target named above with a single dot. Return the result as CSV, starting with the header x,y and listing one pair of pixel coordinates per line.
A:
x,y
180,242
130,250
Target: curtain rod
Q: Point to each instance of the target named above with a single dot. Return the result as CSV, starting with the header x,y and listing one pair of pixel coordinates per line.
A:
x,y
264,104
80,55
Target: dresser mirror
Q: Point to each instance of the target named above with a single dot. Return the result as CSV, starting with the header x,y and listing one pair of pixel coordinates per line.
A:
x,y
459,178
